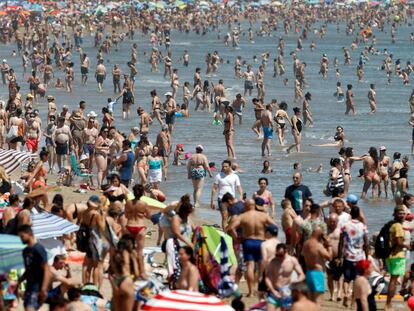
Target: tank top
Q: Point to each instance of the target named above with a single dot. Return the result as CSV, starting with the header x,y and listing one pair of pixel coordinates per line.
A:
x,y
126,169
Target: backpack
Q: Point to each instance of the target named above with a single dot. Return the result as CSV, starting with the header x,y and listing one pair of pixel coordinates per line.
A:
x,y
82,238
382,242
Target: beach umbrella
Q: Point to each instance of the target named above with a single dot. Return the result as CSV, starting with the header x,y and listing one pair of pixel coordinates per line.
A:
x,y
46,225
12,159
214,238
185,301
10,253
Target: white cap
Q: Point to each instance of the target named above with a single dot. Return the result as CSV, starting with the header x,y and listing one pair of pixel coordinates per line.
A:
x,y
200,147
4,60
92,114
84,156
168,94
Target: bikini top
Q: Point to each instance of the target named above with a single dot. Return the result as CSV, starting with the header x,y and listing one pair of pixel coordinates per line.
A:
x,y
114,198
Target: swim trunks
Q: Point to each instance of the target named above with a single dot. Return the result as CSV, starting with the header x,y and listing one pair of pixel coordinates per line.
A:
x,y
252,250
315,280
248,85
268,132
32,144
100,78
285,301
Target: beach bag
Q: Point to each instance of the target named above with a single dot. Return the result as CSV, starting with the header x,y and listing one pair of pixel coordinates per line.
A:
x,y
12,133
82,238
382,243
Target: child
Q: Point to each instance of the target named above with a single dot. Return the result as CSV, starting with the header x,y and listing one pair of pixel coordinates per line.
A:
x,y
287,219
178,154
59,84
217,120
339,93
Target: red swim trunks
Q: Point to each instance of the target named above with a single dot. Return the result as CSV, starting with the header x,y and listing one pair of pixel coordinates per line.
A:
x,y
32,144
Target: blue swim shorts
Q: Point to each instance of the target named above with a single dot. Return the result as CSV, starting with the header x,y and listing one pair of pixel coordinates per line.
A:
x,y
252,250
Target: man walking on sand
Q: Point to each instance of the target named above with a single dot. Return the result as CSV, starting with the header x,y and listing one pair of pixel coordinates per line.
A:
x,y
252,224
279,279
316,251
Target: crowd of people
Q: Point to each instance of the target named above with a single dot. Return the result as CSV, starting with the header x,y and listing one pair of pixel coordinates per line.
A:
x,y
325,246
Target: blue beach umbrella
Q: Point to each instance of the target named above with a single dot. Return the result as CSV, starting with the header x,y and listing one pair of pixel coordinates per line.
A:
x,y
46,225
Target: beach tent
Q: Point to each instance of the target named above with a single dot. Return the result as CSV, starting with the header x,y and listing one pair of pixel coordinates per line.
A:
x,y
207,250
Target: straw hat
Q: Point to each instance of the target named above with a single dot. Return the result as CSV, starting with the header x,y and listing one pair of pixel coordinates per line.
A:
x,y
77,115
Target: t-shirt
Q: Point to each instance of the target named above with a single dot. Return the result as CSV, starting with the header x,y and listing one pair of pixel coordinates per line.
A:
x,y
110,106
343,219
236,209
354,232
396,231
34,258
226,183
297,195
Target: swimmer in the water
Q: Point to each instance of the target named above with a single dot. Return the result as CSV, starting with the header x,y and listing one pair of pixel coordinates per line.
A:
x,y
339,138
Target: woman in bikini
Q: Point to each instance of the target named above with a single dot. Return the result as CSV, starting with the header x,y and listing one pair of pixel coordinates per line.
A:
x,y
102,145
156,107
370,166
280,118
297,125
339,139
307,114
384,163
118,191
266,195
189,276
38,176
229,132
136,211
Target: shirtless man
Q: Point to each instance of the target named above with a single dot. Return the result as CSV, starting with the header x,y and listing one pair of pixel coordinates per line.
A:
x,y
267,125
32,133
316,250
116,79
253,224
85,68
279,278
248,81
48,74
65,282
163,142
170,107
258,109
219,92
62,140
100,74
136,211
238,104
144,121
197,169
334,272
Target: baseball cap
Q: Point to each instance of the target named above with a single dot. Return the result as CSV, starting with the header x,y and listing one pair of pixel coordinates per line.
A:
x,y
259,204
272,229
200,147
383,148
94,201
168,94
352,198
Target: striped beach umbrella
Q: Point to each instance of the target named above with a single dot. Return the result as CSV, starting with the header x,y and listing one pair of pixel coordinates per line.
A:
x,y
11,249
185,301
12,159
46,225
